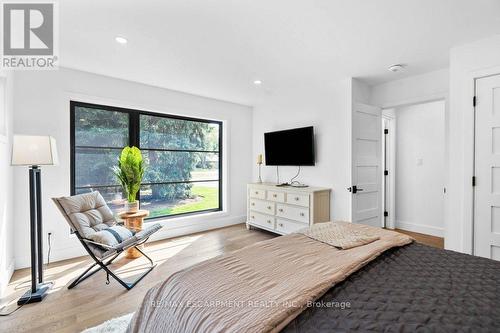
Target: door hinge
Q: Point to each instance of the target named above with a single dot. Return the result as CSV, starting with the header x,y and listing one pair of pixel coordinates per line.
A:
x,y
386,131
474,101
386,213
386,172
473,181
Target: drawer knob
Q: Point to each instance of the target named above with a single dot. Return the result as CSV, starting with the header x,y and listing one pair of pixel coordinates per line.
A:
x,y
256,192
302,214
269,221
253,217
275,195
281,224
281,210
253,203
297,198
268,207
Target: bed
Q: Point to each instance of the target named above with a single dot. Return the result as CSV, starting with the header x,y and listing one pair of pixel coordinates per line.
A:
x,y
386,284
409,289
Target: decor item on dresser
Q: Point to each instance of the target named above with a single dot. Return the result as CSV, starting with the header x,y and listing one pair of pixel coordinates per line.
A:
x,y
259,163
286,209
129,172
35,151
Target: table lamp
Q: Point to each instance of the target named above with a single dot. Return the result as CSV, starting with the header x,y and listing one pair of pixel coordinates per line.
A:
x,y
33,152
259,163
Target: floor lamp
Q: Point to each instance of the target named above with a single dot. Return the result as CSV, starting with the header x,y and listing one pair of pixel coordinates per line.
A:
x,y
35,151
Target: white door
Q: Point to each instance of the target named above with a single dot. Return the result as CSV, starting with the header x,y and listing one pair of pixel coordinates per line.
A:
x,y
366,175
487,168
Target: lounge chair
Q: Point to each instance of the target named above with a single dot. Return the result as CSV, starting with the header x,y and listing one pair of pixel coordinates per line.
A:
x,y
88,214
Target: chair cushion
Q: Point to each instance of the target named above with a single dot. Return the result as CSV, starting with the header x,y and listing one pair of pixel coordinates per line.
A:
x,y
111,236
140,235
88,213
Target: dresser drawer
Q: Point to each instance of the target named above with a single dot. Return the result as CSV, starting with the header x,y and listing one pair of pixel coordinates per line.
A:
x,y
286,226
276,196
293,213
262,220
298,199
257,193
266,207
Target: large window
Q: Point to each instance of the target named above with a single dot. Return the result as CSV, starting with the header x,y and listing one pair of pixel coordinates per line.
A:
x,y
183,158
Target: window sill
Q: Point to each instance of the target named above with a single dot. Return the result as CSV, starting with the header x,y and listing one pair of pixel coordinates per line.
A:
x,y
188,217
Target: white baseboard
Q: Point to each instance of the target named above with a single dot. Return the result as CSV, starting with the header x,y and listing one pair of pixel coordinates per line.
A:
x,y
5,278
420,228
168,231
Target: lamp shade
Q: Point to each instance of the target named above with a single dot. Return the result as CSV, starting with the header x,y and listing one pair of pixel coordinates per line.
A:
x,y
34,150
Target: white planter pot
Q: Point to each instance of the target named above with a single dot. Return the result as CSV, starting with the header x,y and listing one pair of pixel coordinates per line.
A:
x,y
132,207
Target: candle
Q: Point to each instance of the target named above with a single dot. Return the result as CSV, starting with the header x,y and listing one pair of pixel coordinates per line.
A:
x,y
259,159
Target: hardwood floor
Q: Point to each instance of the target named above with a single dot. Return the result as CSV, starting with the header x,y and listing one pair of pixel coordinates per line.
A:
x,y
93,302
425,239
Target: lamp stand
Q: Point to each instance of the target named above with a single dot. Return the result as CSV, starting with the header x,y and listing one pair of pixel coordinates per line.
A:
x,y
38,288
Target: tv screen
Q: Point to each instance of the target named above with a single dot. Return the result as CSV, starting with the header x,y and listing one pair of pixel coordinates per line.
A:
x,y
290,147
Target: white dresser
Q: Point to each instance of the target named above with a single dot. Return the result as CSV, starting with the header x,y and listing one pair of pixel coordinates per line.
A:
x,y
283,210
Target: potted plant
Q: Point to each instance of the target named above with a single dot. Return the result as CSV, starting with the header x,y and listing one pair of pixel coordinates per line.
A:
x,y
129,172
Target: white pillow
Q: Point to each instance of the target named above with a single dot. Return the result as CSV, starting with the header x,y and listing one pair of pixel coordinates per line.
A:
x,y
111,236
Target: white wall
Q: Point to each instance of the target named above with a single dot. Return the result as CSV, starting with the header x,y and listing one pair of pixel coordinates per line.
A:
x,y
328,109
420,168
414,89
6,206
42,107
466,62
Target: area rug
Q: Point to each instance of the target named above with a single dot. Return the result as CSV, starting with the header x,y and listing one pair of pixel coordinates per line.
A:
x,y
115,325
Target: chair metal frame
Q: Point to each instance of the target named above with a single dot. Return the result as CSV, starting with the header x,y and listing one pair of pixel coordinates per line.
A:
x,y
105,262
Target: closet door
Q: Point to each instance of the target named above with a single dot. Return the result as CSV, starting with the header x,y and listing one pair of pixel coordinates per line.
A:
x,y
487,168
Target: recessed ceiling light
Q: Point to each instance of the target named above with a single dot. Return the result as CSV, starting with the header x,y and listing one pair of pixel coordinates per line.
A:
x,y
257,82
121,40
396,68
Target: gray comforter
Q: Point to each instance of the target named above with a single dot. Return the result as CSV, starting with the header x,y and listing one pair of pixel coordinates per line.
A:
x,y
415,288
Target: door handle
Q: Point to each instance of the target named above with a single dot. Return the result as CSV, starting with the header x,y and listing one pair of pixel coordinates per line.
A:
x,y
354,189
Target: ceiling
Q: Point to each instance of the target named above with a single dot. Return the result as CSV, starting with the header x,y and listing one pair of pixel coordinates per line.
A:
x,y
217,48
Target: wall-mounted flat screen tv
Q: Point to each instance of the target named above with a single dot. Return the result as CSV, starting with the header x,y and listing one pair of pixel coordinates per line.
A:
x,y
290,147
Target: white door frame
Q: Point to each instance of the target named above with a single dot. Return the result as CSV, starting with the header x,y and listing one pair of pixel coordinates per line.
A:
x,y
389,194
469,154
440,96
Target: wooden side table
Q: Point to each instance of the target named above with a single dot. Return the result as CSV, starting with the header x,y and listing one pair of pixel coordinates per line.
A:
x,y
134,221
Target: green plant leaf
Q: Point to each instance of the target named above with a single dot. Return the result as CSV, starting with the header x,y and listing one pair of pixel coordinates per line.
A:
x,y
130,171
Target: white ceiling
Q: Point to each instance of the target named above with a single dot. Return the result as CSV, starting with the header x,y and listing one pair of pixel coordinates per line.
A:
x,y
217,48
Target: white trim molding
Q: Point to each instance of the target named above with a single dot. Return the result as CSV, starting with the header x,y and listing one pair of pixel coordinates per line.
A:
x,y
420,228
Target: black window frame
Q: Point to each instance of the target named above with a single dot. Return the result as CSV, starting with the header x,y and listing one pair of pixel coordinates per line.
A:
x,y
134,140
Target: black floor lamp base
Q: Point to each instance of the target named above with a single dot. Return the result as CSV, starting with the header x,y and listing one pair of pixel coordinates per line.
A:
x,y
38,296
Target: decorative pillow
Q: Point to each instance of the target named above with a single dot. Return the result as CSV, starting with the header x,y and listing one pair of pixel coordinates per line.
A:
x,y
111,236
